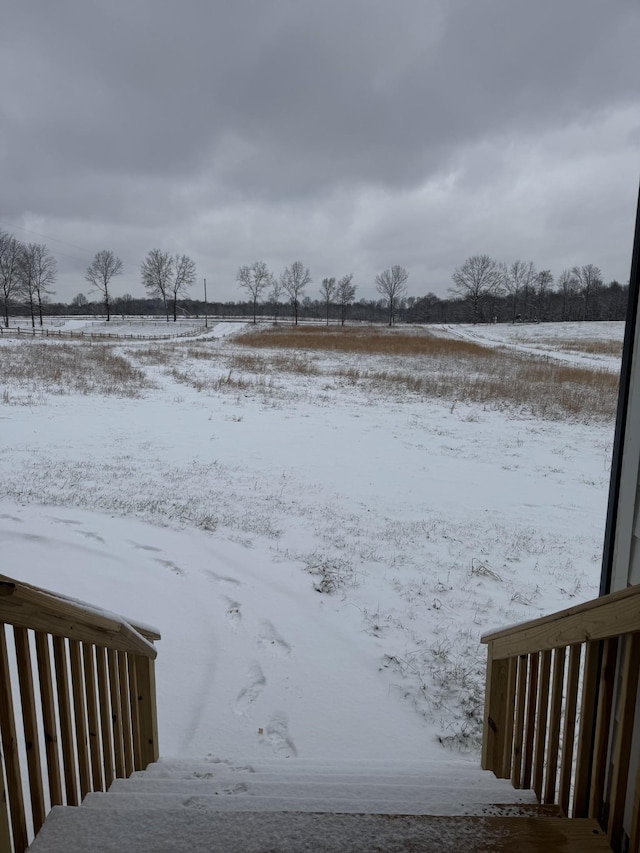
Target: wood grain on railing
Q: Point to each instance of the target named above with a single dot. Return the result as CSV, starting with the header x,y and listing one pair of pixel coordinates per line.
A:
x,y
561,706
85,713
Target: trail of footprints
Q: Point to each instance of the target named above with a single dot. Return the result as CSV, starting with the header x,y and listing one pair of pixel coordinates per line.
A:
x,y
276,731
268,637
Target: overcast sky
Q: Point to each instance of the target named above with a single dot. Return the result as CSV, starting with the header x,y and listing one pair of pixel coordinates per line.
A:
x,y
349,134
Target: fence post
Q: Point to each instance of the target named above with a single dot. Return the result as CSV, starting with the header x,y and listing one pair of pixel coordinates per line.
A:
x,y
148,713
498,715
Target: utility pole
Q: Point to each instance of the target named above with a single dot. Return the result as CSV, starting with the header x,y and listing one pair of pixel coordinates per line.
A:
x,y
206,319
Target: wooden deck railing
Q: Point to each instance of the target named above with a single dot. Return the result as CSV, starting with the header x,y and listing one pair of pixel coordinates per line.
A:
x,y
77,704
560,710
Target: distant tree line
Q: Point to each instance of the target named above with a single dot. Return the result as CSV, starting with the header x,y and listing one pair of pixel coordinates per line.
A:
x,y
483,290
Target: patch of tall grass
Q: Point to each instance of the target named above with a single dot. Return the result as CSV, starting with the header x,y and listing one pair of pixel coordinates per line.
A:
x,y
372,340
67,368
462,371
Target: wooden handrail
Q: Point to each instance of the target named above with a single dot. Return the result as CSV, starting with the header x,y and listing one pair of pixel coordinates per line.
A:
x,y
30,607
608,616
560,709
92,679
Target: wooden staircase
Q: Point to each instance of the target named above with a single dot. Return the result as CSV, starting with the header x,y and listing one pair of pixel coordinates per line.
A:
x,y
294,805
79,747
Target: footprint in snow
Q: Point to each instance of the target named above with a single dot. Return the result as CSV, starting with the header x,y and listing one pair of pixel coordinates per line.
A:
x,y
89,534
233,614
214,577
214,759
140,547
271,639
277,732
254,687
169,564
204,803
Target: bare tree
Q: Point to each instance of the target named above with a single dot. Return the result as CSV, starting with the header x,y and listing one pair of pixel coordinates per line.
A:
x,y
27,277
478,277
156,271
392,284
568,287
327,290
589,281
126,301
274,294
254,279
100,271
80,301
11,251
41,269
345,294
543,285
294,279
518,277
183,275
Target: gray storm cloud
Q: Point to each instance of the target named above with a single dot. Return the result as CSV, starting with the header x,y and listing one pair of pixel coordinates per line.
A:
x,y
359,134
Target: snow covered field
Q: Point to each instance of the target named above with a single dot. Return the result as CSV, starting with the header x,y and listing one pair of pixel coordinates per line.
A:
x,y
320,554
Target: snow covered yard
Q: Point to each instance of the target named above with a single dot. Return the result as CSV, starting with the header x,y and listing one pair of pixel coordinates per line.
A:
x,y
320,536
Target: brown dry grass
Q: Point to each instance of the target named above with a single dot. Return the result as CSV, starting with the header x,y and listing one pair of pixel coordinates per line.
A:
x,y
64,368
460,371
543,389
372,340
599,347
154,354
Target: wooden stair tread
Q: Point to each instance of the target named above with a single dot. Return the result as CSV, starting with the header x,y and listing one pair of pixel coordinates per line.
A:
x,y
72,830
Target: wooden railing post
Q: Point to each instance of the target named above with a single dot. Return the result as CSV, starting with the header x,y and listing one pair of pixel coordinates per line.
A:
x,y
47,698
518,738
555,714
498,716
66,726
541,723
532,696
106,729
116,712
568,737
10,751
29,725
148,714
603,728
588,707
623,737
80,717
93,723
135,714
125,713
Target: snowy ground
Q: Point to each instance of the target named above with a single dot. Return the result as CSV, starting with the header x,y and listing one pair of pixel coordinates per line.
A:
x,y
320,559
